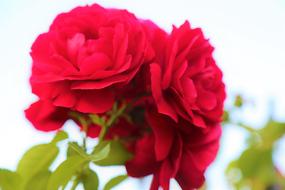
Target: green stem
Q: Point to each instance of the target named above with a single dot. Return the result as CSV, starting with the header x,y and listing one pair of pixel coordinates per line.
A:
x,y
85,128
246,127
102,133
84,143
110,122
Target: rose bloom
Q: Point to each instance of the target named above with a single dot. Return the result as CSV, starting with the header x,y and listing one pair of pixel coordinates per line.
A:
x,y
188,96
92,57
185,80
88,55
174,150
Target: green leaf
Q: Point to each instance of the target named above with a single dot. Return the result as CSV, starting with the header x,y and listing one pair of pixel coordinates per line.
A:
x,y
255,165
251,164
72,166
39,182
97,119
74,149
272,132
100,153
115,181
60,136
90,180
118,154
65,171
37,159
10,180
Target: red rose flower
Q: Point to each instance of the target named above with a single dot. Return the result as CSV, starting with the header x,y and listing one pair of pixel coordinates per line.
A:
x,y
174,150
185,79
86,54
170,85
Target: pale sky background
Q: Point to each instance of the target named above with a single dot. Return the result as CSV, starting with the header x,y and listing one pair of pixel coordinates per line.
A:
x,y
249,37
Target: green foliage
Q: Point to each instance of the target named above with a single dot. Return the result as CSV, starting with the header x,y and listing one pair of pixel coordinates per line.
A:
x,y
118,153
34,168
89,180
97,120
74,149
115,181
100,154
37,159
40,181
65,172
271,133
73,166
60,136
255,168
10,180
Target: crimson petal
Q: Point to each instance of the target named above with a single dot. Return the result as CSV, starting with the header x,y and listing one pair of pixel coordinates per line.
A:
x,y
46,117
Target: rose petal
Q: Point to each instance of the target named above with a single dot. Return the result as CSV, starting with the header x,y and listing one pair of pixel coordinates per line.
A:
x,y
206,100
162,105
204,146
190,92
163,134
95,101
45,116
166,172
189,176
74,44
144,162
65,99
168,68
120,45
155,182
177,77
95,63
99,84
93,131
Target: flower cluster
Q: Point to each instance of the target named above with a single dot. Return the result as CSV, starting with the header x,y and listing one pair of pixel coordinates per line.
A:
x,y
161,94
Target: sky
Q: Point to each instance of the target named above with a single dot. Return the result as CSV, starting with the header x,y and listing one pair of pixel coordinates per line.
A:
x,y
249,42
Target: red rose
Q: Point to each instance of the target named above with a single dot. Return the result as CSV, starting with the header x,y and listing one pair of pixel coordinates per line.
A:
x,y
92,57
185,79
86,54
174,150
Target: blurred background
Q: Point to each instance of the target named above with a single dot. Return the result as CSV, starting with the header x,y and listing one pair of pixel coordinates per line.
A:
x,y
249,41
